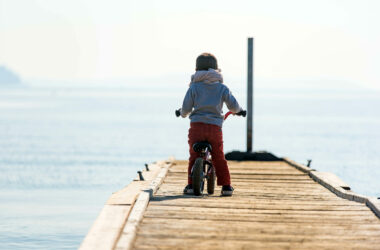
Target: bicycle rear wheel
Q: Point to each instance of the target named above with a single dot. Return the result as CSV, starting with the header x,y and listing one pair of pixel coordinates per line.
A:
x,y
211,181
197,176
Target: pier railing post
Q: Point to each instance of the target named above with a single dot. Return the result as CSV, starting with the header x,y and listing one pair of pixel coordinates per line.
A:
x,y
250,96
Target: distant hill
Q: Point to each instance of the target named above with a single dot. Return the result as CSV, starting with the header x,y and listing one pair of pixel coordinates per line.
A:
x,y
8,77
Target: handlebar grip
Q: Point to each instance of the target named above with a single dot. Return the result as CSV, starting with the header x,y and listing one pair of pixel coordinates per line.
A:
x,y
178,112
242,113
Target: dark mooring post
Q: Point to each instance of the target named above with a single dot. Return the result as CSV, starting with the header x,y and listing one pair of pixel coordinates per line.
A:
x,y
250,95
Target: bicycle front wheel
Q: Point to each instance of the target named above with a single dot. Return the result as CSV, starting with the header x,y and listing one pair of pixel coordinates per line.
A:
x,y
211,181
197,176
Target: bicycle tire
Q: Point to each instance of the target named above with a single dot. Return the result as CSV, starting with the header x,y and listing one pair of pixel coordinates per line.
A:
x,y
197,176
211,182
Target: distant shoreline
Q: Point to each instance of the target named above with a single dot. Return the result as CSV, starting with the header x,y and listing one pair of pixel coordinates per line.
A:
x,y
7,77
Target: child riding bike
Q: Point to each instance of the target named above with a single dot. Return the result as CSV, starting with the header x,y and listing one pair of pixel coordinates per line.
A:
x,y
204,102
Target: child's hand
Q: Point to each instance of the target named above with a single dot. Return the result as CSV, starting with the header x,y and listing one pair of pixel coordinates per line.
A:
x,y
178,112
242,113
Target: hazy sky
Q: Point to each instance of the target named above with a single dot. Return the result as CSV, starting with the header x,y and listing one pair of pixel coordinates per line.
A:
x,y
91,40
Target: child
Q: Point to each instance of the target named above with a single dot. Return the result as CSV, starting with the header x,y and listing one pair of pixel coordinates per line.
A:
x,y
204,102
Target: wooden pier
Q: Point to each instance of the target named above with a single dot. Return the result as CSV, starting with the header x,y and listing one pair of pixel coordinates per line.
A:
x,y
276,205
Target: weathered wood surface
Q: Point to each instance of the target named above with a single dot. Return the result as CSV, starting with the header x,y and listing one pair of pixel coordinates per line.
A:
x,y
107,228
274,206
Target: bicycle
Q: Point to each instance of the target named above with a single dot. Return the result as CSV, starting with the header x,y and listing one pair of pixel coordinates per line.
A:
x,y
203,169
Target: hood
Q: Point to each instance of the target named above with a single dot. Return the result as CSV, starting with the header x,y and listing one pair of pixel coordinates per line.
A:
x,y
209,76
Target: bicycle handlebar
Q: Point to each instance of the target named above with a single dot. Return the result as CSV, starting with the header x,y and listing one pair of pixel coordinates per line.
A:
x,y
240,113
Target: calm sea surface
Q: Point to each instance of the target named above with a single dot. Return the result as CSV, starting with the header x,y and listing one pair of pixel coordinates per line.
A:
x,y
65,150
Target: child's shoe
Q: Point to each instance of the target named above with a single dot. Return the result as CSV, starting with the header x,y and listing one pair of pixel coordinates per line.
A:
x,y
227,190
189,189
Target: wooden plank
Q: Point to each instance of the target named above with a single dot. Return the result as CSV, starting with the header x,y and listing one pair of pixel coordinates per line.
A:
x,y
374,205
254,235
178,200
333,186
105,231
233,213
129,231
269,243
284,217
267,227
334,180
126,239
265,206
264,194
127,195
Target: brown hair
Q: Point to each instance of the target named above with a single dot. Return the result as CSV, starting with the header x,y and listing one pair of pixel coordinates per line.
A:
x,y
206,61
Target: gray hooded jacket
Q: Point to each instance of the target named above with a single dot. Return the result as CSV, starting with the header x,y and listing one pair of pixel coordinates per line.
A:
x,y
204,100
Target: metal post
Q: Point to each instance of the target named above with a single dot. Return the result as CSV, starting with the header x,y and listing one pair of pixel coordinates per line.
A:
x,y
250,96
141,176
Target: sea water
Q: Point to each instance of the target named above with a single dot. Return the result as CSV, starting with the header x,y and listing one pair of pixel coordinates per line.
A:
x,y
65,150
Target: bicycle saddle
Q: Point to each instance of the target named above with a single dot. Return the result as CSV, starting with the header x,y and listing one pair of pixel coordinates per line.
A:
x,y
199,146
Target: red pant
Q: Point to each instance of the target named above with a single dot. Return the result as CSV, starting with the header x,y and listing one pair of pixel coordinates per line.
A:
x,y
213,134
